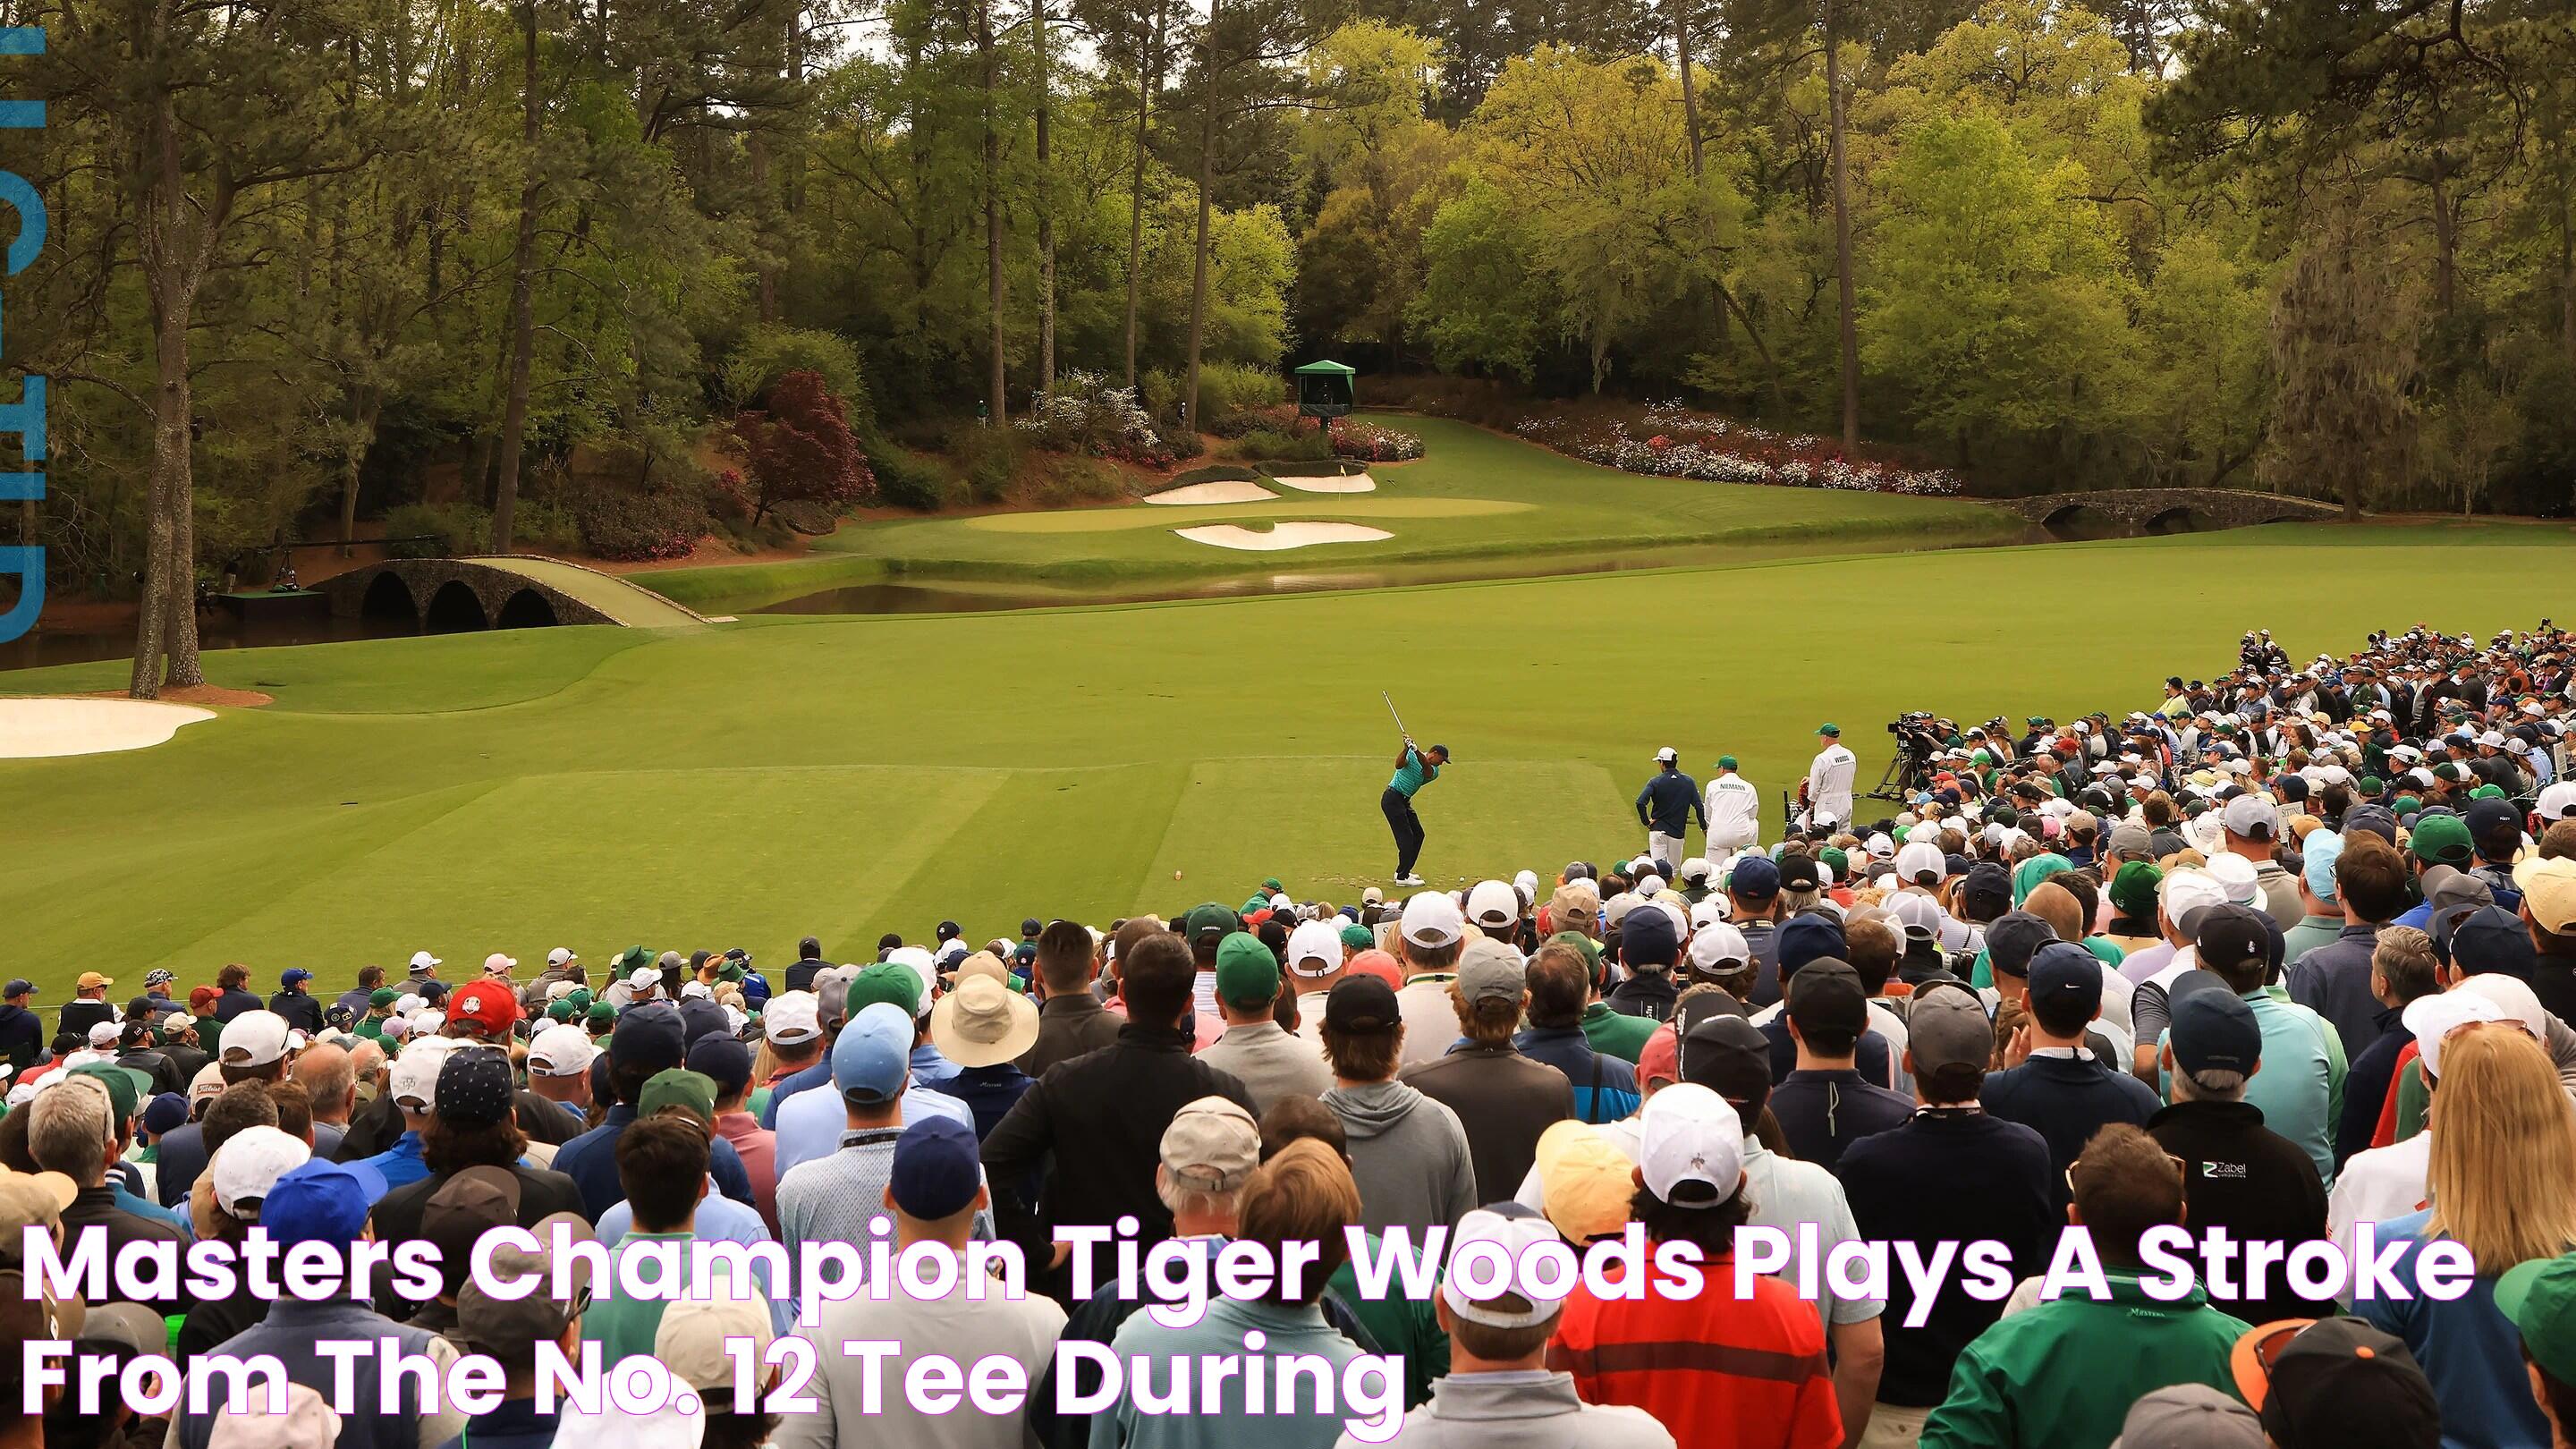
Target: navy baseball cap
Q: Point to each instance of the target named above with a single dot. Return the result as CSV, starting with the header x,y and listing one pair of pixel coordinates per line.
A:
x,y
701,1018
2013,939
165,1113
1807,938
1755,878
937,1169
2230,936
723,1060
321,1202
2063,972
2215,1031
1986,893
19,986
648,1035
1647,937
293,974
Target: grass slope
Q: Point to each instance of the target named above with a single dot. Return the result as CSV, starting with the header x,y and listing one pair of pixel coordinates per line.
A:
x,y
1474,496
750,783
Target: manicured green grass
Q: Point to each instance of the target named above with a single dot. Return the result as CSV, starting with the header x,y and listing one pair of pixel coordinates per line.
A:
x,y
1474,496
751,783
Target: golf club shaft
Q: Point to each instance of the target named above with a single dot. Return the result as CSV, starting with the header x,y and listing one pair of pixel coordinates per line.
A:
x,y
1390,709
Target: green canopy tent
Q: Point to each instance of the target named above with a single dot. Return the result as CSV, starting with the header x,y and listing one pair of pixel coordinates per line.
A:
x,y
1324,389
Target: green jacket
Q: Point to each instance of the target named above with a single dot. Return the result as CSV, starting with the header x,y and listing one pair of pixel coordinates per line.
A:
x,y
2062,1375
1615,1033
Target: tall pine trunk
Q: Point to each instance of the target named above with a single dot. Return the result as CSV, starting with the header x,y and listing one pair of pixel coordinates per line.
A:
x,y
1844,304
523,299
1207,210
1149,79
994,299
1046,200
175,242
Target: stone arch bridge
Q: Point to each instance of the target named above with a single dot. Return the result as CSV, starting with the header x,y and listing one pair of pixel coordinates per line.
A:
x,y
2170,510
460,595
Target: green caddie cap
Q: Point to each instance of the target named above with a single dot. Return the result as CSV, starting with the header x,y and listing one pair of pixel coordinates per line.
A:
x,y
1830,729
1357,937
1246,973
1726,762
885,982
383,996
2539,1296
693,1091
2441,840
1209,916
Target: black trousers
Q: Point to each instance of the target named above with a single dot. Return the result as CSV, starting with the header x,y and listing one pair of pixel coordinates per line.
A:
x,y
1406,825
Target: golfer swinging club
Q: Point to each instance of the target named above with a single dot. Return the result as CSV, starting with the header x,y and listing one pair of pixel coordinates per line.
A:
x,y
1413,769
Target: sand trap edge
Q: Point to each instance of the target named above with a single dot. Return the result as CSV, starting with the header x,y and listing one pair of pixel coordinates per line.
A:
x,y
44,727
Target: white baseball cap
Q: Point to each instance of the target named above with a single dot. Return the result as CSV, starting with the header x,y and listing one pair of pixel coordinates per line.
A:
x,y
1317,941
1650,886
497,964
561,1050
1667,755
644,978
560,956
1714,944
1433,920
249,1164
1493,903
2558,802
792,1017
2253,817
206,1084
1516,1230
2433,1018
925,972
2513,1000
2235,875
415,1073
104,1034
254,1039
557,990
1918,915
695,991
1690,1146
693,1337
422,960
1919,858
1711,909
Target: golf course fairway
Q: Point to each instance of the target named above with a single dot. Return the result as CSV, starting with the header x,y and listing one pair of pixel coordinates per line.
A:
x,y
842,776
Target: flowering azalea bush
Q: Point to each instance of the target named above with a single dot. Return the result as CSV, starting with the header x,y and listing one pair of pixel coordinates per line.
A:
x,y
1373,444
1082,413
1676,442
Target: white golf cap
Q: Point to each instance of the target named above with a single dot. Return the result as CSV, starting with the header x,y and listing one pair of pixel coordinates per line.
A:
x,y
422,960
561,1050
2558,802
2253,817
1918,915
1695,868
695,991
557,990
1493,903
2433,1018
1667,755
1690,1146
1917,859
498,964
1516,1230
925,972
1711,910
415,1072
2513,999
206,1084
2235,875
644,978
254,1039
249,1164
1432,920
561,956
104,1034
1315,948
792,1017
1650,885
1713,946
408,1003
1526,882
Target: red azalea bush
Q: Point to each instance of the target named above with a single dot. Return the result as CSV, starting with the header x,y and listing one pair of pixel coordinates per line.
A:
x,y
1371,443
1681,443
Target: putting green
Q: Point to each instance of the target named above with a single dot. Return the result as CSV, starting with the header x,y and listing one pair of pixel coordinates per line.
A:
x,y
1112,520
747,784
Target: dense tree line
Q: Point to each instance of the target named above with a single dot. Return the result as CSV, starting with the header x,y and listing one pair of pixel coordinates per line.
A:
x,y
308,252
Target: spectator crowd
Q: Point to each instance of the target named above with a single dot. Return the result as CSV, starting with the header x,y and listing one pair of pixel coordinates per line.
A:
x,y
2291,956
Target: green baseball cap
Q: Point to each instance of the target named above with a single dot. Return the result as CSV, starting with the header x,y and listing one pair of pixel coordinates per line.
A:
x,y
885,982
1246,973
1272,885
1834,856
2441,840
1209,917
601,1014
560,1009
1830,729
2404,805
2539,1296
2487,792
678,1087
1357,937
2372,784
1726,762
126,1087
2133,889
580,998
383,996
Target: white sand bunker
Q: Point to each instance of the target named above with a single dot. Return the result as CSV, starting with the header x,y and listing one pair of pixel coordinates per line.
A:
x,y
1328,483
1281,536
1213,493
34,729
